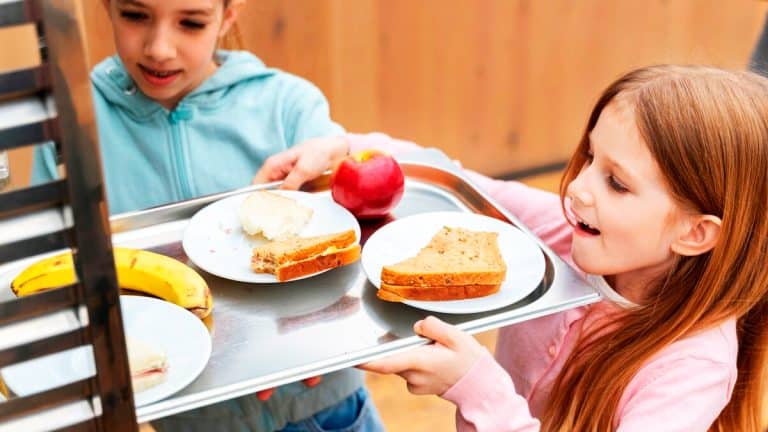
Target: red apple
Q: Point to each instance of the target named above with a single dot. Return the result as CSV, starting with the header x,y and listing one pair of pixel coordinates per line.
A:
x,y
368,184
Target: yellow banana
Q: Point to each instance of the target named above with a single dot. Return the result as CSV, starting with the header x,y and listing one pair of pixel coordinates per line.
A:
x,y
138,270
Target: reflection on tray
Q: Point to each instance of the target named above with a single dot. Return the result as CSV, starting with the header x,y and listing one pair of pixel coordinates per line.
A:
x,y
371,226
345,306
173,250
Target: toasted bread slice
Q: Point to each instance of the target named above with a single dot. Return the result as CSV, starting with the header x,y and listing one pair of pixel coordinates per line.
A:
x,y
399,293
454,256
292,258
294,269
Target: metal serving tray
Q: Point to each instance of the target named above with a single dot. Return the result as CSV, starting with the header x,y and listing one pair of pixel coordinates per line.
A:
x,y
268,335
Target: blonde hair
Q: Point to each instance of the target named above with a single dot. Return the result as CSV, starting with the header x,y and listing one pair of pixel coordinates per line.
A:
x,y
708,131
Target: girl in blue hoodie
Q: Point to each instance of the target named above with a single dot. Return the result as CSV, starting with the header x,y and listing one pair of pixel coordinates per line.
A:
x,y
178,119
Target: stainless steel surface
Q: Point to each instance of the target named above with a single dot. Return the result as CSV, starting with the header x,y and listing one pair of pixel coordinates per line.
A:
x,y
34,224
31,109
5,170
59,418
27,121
268,335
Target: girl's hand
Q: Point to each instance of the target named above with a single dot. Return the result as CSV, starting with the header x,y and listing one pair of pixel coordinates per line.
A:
x,y
433,368
302,162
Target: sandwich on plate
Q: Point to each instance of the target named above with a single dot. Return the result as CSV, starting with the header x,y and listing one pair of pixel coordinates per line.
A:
x,y
456,264
272,215
148,364
301,256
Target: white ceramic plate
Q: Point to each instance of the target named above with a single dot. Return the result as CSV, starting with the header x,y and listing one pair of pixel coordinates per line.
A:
x,y
215,241
404,238
183,337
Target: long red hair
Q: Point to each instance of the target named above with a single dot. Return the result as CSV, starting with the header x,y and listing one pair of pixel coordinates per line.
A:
x,y
708,132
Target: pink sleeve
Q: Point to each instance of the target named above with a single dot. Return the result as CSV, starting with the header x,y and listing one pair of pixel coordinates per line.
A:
x,y
684,395
539,210
487,401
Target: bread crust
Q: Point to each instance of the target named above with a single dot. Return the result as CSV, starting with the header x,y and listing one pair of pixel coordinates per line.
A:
x,y
295,269
392,276
398,293
269,257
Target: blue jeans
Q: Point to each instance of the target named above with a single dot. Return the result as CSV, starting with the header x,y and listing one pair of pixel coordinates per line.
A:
x,y
354,414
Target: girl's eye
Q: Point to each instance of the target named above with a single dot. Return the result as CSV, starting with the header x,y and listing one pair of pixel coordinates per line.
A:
x,y
193,25
615,185
133,16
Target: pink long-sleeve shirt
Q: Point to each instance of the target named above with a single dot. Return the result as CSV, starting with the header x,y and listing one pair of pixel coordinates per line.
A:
x,y
682,388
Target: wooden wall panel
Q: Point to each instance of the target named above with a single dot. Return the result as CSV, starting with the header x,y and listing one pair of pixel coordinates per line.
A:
x,y
500,84
19,47
98,31
287,31
355,82
452,76
503,85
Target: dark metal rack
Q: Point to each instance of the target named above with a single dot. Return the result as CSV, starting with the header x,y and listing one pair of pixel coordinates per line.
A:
x,y
59,90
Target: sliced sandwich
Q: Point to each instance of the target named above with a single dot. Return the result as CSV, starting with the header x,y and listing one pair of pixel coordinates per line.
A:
x,y
456,264
148,365
301,256
272,215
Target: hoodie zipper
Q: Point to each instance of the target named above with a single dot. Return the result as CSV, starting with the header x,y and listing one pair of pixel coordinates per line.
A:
x,y
175,117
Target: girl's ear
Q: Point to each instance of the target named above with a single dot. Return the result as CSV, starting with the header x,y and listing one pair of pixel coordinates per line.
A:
x,y
230,16
699,237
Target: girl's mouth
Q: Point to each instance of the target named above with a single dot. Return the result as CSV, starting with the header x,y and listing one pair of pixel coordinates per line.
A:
x,y
159,77
586,228
582,227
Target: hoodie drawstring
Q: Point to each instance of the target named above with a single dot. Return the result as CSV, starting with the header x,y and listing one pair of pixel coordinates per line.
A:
x,y
181,113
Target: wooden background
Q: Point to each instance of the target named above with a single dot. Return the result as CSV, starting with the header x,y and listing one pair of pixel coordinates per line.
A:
x,y
502,85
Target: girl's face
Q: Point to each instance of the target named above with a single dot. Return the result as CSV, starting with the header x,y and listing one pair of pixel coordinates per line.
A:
x,y
626,217
167,46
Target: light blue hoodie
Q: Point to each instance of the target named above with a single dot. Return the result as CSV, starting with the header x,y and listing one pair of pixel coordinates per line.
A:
x,y
215,140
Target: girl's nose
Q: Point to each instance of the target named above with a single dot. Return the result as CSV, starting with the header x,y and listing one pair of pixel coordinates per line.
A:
x,y
579,193
159,46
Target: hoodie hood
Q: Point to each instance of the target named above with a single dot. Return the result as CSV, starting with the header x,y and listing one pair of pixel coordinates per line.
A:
x,y
111,79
